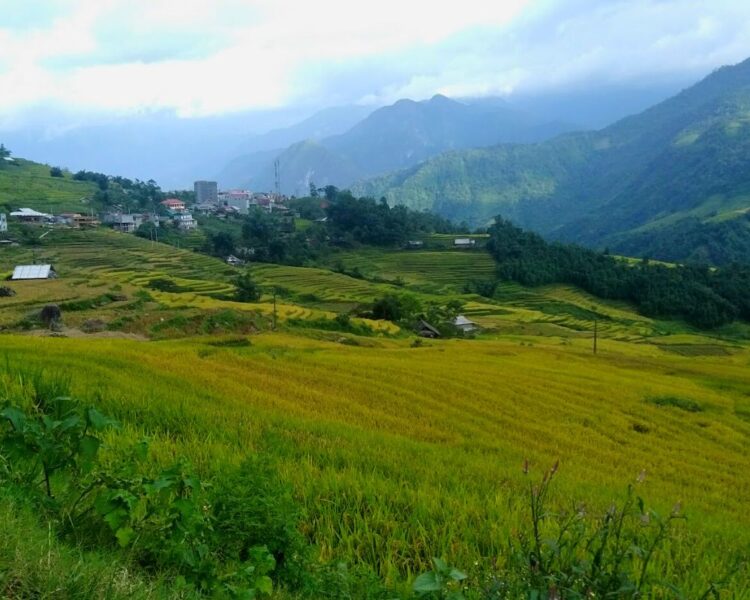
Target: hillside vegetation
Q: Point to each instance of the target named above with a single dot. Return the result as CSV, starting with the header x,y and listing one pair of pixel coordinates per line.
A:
x,y
27,184
670,183
349,440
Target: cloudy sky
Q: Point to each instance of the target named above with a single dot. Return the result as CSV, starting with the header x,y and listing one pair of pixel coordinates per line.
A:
x,y
208,57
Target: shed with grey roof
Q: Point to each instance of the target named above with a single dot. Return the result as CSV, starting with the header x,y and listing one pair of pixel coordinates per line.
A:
x,y
34,272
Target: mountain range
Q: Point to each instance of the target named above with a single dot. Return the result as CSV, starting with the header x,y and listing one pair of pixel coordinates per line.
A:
x,y
672,182
390,138
234,147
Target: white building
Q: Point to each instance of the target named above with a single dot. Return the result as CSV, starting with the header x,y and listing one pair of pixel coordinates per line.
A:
x,y
239,199
29,215
464,324
464,243
185,221
3,222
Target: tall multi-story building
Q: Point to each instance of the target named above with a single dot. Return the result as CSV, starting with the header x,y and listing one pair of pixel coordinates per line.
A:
x,y
239,199
206,192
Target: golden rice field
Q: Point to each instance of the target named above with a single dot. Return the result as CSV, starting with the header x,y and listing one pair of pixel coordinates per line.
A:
x,y
93,262
401,453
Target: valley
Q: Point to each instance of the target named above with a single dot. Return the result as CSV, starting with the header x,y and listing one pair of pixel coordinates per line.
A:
x,y
399,451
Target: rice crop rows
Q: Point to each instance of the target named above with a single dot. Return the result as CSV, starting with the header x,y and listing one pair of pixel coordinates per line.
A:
x,y
400,453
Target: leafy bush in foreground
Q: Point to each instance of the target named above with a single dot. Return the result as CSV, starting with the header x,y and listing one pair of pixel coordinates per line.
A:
x,y
572,555
49,454
229,536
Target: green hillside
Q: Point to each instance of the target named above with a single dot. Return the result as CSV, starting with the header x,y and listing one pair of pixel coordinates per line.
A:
x,y
389,450
28,184
672,182
399,136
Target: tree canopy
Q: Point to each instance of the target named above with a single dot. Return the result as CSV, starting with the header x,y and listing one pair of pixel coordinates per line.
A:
x,y
699,295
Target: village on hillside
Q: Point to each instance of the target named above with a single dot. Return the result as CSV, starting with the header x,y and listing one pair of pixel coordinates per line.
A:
x,y
209,201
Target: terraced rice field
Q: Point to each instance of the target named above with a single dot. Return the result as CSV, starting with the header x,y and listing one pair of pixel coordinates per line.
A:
x,y
104,258
399,454
320,284
120,258
437,269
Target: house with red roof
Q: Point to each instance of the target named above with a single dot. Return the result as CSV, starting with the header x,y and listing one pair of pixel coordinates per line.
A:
x,y
173,204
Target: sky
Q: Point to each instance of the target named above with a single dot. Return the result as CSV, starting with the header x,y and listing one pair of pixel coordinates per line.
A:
x,y
214,57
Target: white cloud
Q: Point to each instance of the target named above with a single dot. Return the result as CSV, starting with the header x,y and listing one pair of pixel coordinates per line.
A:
x,y
212,56
583,42
263,49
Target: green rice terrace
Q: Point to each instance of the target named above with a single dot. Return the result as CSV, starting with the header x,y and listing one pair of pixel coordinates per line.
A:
x,y
337,457
26,183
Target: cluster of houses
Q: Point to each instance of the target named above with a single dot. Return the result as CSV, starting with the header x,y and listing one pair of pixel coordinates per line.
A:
x,y
176,213
208,202
239,202
34,217
175,209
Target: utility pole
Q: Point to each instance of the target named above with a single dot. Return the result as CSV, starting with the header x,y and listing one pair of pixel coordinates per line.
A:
x,y
277,179
274,308
596,334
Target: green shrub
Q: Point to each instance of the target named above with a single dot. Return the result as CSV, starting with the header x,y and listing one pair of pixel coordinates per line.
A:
x,y
49,454
163,284
251,507
571,554
685,404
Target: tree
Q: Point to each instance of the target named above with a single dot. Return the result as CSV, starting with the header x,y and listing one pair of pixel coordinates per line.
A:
x,y
396,308
313,190
4,152
247,288
55,172
222,244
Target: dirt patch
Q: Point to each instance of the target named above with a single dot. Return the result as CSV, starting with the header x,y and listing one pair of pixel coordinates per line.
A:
x,y
695,349
72,332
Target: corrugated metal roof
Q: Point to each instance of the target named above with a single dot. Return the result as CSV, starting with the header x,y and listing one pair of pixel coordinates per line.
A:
x,y
32,272
461,320
28,212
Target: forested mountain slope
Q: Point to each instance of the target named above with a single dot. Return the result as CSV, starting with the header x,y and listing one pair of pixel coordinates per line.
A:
x,y
396,137
679,171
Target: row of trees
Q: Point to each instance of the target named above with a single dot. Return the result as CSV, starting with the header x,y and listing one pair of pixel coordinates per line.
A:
x,y
702,296
268,237
366,221
123,193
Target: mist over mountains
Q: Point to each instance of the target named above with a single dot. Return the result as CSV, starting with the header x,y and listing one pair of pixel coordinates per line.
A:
x,y
239,148
672,181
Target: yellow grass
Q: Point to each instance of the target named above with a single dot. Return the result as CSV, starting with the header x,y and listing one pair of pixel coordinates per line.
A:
x,y
402,453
